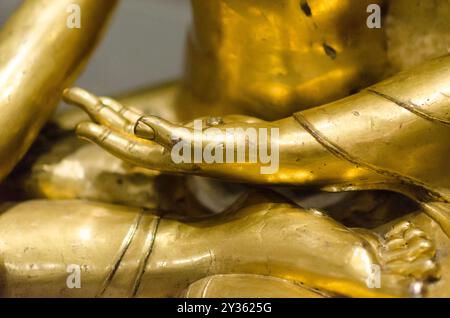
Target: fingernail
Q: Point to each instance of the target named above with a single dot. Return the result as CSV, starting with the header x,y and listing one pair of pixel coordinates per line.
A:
x,y
67,94
143,130
66,91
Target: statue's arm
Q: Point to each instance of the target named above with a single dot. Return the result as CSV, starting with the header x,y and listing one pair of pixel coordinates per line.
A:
x,y
393,135
41,52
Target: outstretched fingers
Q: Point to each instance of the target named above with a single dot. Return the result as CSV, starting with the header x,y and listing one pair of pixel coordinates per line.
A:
x,y
98,111
129,148
131,114
123,146
111,114
144,126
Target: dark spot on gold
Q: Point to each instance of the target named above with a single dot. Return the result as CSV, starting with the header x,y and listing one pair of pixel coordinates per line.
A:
x,y
329,51
305,8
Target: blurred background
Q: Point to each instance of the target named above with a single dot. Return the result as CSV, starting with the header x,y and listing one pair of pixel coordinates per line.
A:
x,y
144,45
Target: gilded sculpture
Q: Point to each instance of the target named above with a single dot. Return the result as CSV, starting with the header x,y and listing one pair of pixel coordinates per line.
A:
x,y
346,109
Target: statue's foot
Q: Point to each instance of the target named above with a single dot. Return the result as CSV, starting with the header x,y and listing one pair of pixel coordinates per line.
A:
x,y
406,261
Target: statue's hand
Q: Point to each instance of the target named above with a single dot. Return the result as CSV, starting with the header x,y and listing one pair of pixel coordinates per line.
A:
x,y
114,123
123,131
144,140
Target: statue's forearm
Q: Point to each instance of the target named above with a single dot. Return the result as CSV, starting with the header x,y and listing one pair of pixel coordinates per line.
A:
x,y
352,143
394,135
41,54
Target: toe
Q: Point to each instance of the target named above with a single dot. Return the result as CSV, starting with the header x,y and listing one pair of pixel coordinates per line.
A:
x,y
414,249
395,243
398,230
421,268
412,233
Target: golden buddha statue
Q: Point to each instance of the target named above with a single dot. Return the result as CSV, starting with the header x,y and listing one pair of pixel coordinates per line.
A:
x,y
136,230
